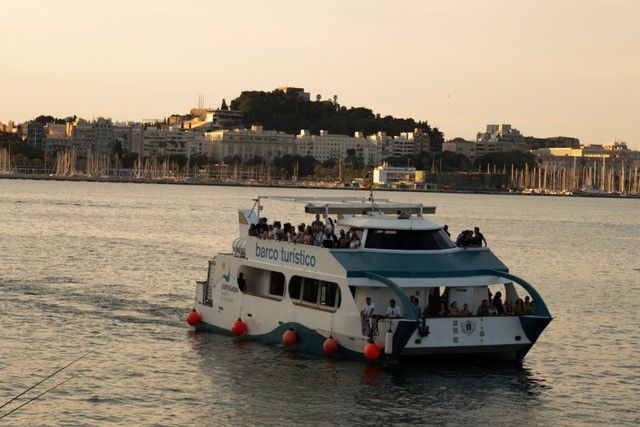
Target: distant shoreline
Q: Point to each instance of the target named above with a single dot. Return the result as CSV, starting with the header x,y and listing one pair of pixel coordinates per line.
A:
x,y
301,185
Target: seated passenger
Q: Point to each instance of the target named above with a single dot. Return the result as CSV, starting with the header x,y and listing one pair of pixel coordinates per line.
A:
x,y
453,309
276,229
318,235
403,215
343,241
355,241
464,239
308,236
300,235
528,305
497,303
252,230
483,310
327,240
465,310
393,311
519,309
261,226
508,307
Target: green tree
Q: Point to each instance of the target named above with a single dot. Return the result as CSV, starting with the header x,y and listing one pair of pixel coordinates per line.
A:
x,y
447,161
289,113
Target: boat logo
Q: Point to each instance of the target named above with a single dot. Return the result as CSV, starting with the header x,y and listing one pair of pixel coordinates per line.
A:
x,y
227,276
468,326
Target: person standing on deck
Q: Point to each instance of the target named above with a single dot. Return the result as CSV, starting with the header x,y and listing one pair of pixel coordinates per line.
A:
x,y
478,237
393,311
367,311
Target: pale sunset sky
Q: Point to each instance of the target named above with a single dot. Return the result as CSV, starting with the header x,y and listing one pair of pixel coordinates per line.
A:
x,y
548,67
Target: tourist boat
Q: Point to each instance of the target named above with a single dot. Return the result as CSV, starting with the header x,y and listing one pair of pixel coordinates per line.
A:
x,y
310,298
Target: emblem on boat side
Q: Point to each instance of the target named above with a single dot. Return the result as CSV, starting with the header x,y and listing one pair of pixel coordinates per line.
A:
x,y
468,326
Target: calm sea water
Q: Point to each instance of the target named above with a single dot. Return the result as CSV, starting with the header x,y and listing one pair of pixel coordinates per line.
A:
x,y
113,266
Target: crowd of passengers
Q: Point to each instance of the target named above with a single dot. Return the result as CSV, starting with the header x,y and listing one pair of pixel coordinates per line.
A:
x,y
469,238
438,307
316,234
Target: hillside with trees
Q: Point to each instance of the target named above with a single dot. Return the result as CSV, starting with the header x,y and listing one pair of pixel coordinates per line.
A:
x,y
287,112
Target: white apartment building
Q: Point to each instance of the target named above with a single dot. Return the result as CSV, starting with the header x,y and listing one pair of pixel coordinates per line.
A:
x,y
496,139
247,144
326,146
154,142
82,136
410,143
103,136
461,146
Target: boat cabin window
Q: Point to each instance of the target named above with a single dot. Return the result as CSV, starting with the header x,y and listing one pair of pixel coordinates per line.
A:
x,y
408,239
276,286
314,292
295,284
260,282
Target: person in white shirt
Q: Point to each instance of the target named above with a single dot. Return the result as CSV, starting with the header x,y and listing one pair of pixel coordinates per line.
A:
x,y
367,311
393,311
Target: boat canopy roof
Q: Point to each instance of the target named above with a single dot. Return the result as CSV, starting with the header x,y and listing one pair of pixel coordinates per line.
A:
x,y
432,282
366,207
388,222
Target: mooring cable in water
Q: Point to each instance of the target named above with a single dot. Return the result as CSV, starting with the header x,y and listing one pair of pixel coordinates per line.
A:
x,y
34,398
46,378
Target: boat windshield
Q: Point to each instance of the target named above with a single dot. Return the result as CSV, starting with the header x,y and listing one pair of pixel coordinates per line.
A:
x,y
408,239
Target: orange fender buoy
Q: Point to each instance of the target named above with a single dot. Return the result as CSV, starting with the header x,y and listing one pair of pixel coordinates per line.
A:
x,y
372,351
289,337
239,327
330,345
193,318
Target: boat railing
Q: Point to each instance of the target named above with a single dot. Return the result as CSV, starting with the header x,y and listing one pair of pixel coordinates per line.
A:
x,y
239,247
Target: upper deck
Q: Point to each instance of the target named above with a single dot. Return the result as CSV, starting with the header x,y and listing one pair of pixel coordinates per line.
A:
x,y
389,239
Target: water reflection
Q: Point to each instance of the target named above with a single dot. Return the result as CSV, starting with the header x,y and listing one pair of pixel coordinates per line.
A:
x,y
296,386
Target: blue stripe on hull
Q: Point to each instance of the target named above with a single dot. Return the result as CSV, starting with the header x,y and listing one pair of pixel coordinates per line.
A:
x,y
308,340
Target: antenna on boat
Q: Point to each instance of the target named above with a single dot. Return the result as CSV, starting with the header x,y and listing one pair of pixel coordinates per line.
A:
x,y
369,184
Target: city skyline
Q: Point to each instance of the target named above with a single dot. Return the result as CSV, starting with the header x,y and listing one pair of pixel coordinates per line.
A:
x,y
549,68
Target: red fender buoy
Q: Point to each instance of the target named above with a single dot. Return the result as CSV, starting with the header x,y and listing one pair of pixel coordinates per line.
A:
x,y
330,345
193,318
372,351
239,327
289,337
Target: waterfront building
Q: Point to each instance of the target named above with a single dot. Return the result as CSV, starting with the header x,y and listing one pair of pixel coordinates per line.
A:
x,y
154,142
36,134
410,143
82,136
103,136
384,144
207,119
461,146
496,139
57,137
326,146
123,135
247,144
388,175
